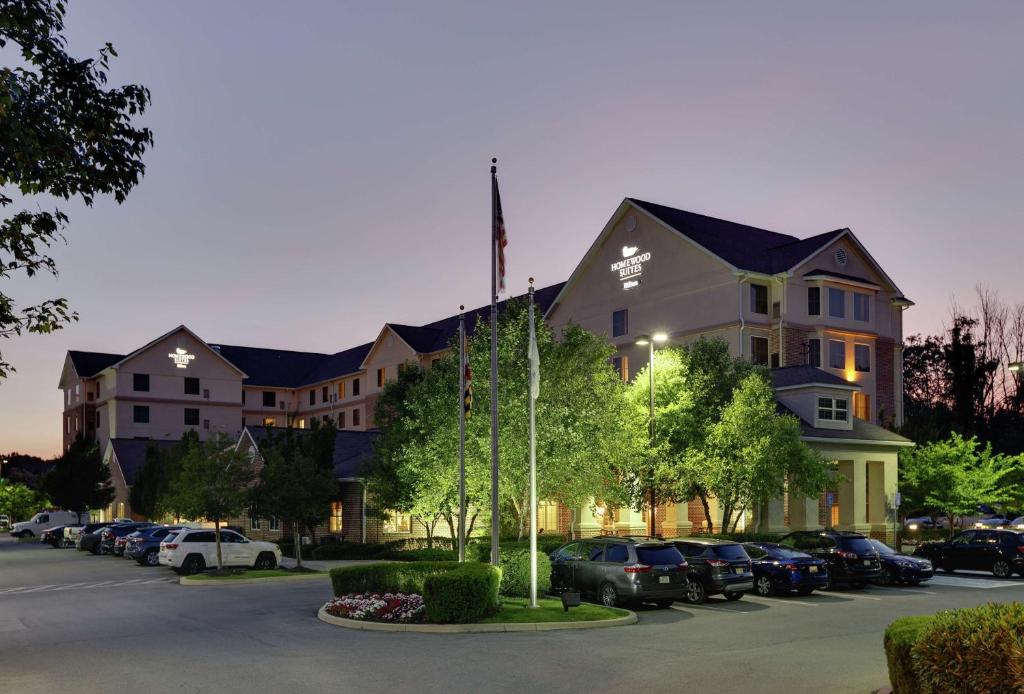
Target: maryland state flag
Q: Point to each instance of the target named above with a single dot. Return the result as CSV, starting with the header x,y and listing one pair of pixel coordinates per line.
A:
x,y
467,395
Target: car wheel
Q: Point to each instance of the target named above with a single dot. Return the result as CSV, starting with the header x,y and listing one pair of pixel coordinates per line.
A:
x,y
695,592
152,558
888,577
664,604
1001,568
193,564
265,561
763,586
733,597
609,598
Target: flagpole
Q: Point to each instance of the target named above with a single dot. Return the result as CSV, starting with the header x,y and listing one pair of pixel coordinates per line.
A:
x,y
495,519
462,434
534,378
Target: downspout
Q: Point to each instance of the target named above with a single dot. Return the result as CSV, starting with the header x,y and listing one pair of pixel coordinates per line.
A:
x,y
739,296
782,312
363,513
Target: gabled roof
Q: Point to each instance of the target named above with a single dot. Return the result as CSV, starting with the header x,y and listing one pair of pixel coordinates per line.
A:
x,y
818,272
274,368
422,340
130,455
742,246
184,329
89,364
351,448
797,376
338,364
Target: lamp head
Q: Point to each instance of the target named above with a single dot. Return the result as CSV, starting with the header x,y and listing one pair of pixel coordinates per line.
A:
x,y
643,340
659,337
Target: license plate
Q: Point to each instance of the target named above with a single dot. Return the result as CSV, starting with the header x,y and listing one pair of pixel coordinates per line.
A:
x,y
664,579
812,569
867,562
739,570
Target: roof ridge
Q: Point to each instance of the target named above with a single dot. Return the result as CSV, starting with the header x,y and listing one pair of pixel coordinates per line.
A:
x,y
717,219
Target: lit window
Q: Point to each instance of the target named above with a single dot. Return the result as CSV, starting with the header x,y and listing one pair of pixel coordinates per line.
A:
x,y
836,354
814,301
620,322
759,298
336,521
621,366
861,307
302,423
759,350
268,421
862,406
814,352
836,303
547,517
396,522
833,409
862,357
341,390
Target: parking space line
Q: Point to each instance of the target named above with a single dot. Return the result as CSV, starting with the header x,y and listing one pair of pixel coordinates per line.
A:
x,y
713,608
912,591
779,601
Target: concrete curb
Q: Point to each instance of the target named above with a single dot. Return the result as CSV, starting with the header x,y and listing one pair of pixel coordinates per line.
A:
x,y
323,616
189,581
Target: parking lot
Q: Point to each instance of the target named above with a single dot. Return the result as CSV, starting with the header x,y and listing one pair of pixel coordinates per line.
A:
x,y
75,622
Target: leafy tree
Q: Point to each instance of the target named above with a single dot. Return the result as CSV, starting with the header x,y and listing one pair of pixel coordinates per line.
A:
x,y
212,483
693,385
753,452
22,467
18,500
149,494
954,476
63,134
79,480
297,480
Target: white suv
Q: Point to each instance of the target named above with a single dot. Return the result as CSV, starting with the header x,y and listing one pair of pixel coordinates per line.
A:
x,y
191,550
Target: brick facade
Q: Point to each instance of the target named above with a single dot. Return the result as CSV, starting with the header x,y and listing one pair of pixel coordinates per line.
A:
x,y
885,355
796,346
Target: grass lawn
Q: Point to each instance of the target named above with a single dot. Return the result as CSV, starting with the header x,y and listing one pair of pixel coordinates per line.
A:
x,y
550,610
267,573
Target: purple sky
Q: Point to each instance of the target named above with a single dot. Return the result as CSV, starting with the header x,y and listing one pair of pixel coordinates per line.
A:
x,y
319,173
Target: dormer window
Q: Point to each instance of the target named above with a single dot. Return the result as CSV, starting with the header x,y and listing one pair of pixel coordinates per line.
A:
x,y
833,409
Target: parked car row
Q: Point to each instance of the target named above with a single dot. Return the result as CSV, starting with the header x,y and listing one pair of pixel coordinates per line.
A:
x,y
187,549
999,550
617,570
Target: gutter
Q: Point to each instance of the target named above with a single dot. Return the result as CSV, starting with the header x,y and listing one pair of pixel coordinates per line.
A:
x,y
858,442
743,277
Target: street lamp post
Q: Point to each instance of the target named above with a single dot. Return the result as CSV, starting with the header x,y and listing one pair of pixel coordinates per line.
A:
x,y
648,341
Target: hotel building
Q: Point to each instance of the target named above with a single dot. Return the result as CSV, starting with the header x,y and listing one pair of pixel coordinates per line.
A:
x,y
820,312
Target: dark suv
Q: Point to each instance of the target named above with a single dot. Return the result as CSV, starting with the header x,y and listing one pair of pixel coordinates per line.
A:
x,y
618,570
716,566
999,551
851,558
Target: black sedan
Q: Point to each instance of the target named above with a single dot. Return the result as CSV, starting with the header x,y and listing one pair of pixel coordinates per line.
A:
x,y
1000,551
779,570
901,568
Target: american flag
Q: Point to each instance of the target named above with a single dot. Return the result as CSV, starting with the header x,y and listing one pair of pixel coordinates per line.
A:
x,y
500,239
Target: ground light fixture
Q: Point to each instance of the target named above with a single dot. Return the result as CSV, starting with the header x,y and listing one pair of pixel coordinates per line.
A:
x,y
649,341
570,599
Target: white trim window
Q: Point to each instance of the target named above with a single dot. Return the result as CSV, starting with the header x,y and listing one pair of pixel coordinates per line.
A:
x,y
837,354
836,303
862,358
273,523
861,307
833,409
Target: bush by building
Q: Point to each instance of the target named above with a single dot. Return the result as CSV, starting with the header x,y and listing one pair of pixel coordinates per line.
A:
x,y
464,594
969,651
515,572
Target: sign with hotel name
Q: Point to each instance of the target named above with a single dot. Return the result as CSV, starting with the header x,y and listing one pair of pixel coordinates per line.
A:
x,y
181,357
631,267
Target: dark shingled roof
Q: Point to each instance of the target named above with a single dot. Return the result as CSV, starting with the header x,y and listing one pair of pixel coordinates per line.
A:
x,y
131,454
91,363
344,362
274,368
862,431
420,339
351,448
745,247
788,376
839,275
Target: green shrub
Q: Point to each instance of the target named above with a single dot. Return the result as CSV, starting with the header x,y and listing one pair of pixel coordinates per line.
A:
x,y
347,550
515,573
899,641
288,548
481,551
435,554
978,649
463,594
405,577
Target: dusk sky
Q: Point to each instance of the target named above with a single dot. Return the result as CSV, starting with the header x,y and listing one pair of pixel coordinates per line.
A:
x,y
322,167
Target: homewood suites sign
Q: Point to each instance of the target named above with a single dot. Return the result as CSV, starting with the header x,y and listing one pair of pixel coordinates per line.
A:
x,y
631,267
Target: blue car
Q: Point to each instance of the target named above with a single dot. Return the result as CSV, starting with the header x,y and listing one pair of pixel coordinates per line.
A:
x,y
779,569
901,568
144,545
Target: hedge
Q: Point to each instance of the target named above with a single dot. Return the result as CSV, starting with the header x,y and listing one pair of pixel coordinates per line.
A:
x,y
406,577
481,551
978,649
742,537
464,594
515,573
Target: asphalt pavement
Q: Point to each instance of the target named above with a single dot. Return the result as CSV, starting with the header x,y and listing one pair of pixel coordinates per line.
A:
x,y
73,622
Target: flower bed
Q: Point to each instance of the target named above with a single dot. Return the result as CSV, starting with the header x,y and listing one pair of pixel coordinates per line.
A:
x,y
378,607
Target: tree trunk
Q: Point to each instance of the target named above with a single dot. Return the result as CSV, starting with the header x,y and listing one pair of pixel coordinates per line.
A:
x,y
572,522
726,516
469,526
298,544
429,527
216,534
452,529
739,514
707,512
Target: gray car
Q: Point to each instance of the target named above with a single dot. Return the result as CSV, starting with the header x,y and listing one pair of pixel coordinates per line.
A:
x,y
620,570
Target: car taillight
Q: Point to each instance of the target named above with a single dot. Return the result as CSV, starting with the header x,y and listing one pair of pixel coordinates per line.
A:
x,y
173,546
846,555
636,569
718,563
791,567
1020,549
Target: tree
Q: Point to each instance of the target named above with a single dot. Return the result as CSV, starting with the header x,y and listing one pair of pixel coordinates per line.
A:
x,y
954,476
753,454
63,134
297,481
18,500
79,480
149,494
212,483
692,386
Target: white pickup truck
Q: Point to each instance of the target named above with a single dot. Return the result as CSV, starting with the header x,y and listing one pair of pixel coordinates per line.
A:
x,y
43,521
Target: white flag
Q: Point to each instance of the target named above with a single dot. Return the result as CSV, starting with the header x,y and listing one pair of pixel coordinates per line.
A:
x,y
534,364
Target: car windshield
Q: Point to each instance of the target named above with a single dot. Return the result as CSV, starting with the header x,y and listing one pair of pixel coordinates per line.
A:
x,y
169,537
882,548
659,555
731,552
857,544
